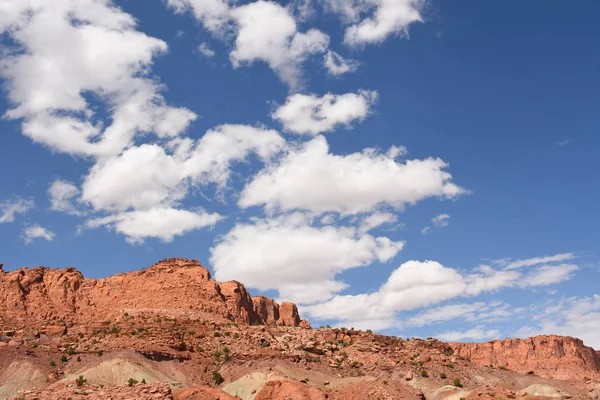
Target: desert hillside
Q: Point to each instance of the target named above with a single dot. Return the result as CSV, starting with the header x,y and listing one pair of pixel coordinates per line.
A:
x,y
172,332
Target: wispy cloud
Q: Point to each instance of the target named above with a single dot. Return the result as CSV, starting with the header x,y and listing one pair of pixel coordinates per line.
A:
x,y
37,232
10,208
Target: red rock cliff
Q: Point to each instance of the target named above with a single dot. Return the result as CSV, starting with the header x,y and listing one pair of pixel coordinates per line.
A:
x,y
173,287
551,356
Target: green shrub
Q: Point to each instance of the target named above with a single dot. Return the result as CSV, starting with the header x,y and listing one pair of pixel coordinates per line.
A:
x,y
217,334
100,353
52,363
64,358
457,383
80,381
132,382
443,375
424,373
217,355
218,378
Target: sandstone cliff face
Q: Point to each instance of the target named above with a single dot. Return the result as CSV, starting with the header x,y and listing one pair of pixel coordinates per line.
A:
x,y
172,287
551,356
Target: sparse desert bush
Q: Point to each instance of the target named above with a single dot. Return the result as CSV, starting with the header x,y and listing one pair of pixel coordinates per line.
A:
x,y
217,378
132,382
80,381
457,383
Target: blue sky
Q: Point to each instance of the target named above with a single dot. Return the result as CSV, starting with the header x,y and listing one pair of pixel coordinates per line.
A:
x,y
384,164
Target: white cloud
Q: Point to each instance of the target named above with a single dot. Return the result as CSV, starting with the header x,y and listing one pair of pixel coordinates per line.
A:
x,y
441,220
214,153
10,208
575,316
73,51
311,178
549,274
214,14
140,178
62,195
299,260
478,333
268,32
375,220
536,261
205,49
37,232
145,176
445,313
263,31
311,115
417,284
372,21
438,221
161,223
338,65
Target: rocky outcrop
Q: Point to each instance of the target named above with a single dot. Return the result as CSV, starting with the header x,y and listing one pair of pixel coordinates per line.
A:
x,y
271,313
172,287
267,309
557,357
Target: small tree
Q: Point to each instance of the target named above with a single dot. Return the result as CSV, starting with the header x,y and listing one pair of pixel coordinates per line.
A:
x,y
218,378
457,383
80,381
132,382
64,358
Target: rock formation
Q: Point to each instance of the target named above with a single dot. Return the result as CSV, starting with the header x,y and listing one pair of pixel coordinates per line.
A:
x,y
552,356
170,331
172,287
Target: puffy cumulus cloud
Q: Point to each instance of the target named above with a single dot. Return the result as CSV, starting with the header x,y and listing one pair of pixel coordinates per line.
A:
x,y
477,333
211,158
263,31
372,21
338,65
417,284
37,232
159,222
295,257
64,196
311,115
268,32
311,178
72,53
146,176
573,316
140,178
10,208
214,14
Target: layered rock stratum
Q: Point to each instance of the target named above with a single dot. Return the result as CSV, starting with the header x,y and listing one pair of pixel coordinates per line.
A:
x,y
172,332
